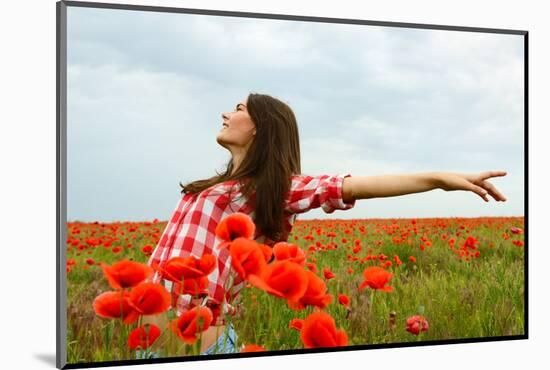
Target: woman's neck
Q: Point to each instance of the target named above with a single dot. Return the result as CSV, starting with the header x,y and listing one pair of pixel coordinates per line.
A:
x,y
237,160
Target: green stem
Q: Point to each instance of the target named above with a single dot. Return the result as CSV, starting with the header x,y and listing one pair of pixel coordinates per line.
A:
x,y
200,343
106,334
229,283
139,323
164,332
110,340
371,308
146,330
120,332
195,348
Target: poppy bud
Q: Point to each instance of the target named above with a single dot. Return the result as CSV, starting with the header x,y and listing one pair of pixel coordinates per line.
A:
x,y
416,324
392,323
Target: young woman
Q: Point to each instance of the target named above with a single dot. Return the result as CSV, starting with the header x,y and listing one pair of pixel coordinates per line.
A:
x,y
263,179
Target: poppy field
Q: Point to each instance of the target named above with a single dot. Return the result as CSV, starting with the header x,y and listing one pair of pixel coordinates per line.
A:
x,y
333,283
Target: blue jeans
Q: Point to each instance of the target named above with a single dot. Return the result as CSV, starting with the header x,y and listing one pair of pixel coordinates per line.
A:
x,y
226,343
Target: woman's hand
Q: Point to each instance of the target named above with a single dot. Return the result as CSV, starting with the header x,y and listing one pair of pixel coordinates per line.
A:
x,y
472,182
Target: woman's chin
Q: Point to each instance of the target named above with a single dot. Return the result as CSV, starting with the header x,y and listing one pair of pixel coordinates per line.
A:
x,y
220,140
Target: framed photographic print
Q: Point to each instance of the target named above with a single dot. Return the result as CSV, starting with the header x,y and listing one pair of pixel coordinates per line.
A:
x,y
237,184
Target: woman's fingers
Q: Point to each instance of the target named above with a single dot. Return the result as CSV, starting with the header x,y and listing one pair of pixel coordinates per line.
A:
x,y
490,187
489,174
475,183
493,191
479,191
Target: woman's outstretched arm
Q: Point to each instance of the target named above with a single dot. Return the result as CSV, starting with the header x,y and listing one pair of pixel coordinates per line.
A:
x,y
363,187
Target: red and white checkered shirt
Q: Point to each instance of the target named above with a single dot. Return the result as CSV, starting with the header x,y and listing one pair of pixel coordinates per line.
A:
x,y
191,229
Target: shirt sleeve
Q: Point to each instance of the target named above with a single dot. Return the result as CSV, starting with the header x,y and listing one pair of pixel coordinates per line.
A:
x,y
324,191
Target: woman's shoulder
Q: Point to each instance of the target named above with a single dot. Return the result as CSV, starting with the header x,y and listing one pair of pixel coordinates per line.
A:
x,y
223,185
229,189
299,180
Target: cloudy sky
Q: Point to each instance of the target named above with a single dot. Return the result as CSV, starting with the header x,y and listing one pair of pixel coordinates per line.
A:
x,y
146,91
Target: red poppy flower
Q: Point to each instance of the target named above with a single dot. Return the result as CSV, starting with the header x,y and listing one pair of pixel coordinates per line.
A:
x,y
296,324
197,287
516,230
397,260
376,278
247,257
147,250
287,251
328,274
412,259
343,300
319,330
267,251
236,225
114,305
282,279
311,266
126,273
315,294
177,269
470,242
90,261
150,298
216,309
143,337
253,348
191,323
517,243
416,324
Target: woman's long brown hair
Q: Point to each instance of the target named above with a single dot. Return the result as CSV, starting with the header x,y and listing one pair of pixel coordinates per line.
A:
x,y
266,170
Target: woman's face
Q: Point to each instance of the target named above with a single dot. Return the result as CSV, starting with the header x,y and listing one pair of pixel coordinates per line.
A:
x,y
237,130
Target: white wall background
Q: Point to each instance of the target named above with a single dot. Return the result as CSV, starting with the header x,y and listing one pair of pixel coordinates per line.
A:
x,y
28,187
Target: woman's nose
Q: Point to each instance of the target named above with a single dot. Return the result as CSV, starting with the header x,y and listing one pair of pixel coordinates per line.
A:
x,y
224,116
